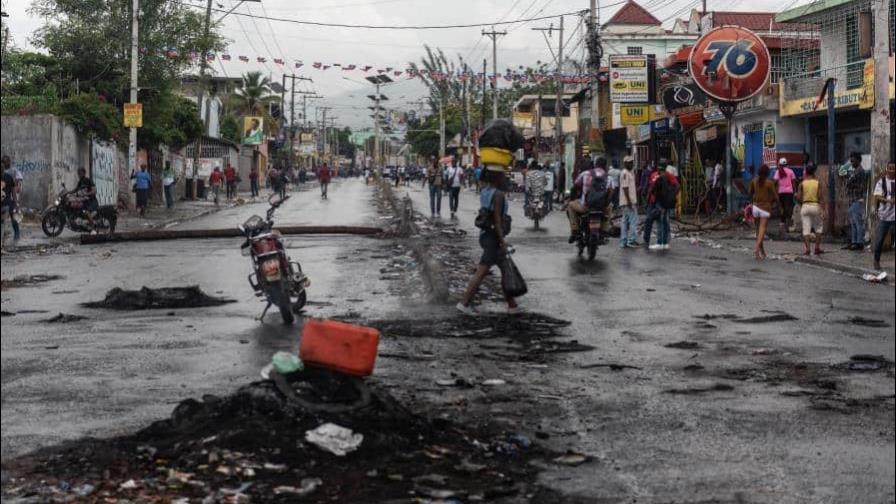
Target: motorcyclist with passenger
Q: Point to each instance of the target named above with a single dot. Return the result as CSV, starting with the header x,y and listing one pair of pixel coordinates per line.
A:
x,y
595,179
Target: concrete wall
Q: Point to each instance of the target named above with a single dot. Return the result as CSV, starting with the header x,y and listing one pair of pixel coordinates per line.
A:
x,y
47,151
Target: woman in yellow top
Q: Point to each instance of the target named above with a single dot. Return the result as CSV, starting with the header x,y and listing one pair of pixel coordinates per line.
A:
x,y
765,198
812,211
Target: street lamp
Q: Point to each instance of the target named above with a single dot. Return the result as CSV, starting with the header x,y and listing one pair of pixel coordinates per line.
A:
x,y
377,80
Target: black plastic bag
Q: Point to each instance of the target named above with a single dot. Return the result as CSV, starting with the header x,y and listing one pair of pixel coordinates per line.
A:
x,y
502,134
512,282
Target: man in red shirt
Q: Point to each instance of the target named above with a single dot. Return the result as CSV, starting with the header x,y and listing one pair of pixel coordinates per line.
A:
x,y
214,182
230,178
323,176
657,206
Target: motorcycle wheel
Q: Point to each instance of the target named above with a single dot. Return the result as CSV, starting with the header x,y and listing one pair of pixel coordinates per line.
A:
x,y
106,224
53,223
300,302
592,249
536,224
280,298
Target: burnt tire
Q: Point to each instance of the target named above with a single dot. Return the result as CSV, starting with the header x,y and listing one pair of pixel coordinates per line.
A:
x,y
52,223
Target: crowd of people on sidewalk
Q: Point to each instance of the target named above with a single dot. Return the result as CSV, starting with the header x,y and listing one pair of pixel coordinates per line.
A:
x,y
657,192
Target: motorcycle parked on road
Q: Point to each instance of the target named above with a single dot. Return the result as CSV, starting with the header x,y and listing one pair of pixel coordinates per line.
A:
x,y
68,210
590,233
275,276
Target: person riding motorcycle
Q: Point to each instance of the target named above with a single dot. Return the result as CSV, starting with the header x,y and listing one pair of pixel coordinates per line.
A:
x,y
583,183
535,184
87,189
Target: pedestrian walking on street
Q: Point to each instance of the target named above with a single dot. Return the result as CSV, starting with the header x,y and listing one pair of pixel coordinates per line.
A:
x,y
230,180
455,181
434,178
494,206
169,179
856,191
323,176
811,199
142,184
477,175
765,199
12,190
628,202
884,192
253,181
215,180
664,193
549,188
653,209
786,180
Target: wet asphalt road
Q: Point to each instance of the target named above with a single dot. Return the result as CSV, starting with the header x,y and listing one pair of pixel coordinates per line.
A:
x,y
117,371
748,444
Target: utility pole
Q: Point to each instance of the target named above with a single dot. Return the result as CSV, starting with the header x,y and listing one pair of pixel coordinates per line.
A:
x,y
376,129
203,64
881,152
441,125
469,133
484,78
465,126
558,89
292,109
135,43
595,53
283,99
494,36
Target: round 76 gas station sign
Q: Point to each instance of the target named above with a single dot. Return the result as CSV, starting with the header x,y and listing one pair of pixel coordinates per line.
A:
x,y
730,64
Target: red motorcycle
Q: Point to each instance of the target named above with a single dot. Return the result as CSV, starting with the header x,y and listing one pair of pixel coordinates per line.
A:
x,y
275,276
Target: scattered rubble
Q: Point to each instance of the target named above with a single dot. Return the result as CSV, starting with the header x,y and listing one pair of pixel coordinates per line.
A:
x,y
27,280
64,318
153,299
253,446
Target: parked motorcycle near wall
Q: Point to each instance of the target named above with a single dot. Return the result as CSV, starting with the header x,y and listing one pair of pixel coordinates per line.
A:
x,y
274,275
68,210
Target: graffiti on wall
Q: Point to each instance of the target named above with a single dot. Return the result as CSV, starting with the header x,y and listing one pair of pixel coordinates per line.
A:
x,y
104,170
27,166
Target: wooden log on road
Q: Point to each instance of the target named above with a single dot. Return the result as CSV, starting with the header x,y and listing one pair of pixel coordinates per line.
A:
x,y
180,234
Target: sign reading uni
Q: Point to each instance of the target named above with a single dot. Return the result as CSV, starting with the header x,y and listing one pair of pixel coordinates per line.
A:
x,y
633,115
629,79
730,64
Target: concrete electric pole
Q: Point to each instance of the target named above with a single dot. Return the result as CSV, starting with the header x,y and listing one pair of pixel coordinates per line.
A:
x,y
494,36
135,53
881,120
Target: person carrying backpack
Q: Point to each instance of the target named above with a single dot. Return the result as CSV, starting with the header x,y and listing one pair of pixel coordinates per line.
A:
x,y
595,194
662,194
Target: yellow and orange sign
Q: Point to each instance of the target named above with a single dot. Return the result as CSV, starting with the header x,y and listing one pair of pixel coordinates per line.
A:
x,y
133,115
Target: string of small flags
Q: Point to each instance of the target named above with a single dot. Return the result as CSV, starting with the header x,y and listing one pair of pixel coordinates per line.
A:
x,y
509,75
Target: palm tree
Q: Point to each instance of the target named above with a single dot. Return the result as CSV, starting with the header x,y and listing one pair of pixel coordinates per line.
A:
x,y
253,97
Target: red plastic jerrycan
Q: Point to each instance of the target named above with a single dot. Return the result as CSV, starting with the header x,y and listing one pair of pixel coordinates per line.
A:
x,y
347,348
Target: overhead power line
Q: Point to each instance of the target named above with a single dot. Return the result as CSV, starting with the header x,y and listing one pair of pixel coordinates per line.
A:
x,y
389,27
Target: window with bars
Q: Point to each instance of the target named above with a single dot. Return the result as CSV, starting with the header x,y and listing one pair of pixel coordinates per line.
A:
x,y
855,71
635,50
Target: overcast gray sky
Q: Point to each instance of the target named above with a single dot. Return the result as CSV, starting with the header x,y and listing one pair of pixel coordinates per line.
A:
x,y
346,91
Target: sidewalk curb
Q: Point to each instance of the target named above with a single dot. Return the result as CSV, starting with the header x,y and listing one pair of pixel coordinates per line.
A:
x,y
842,268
